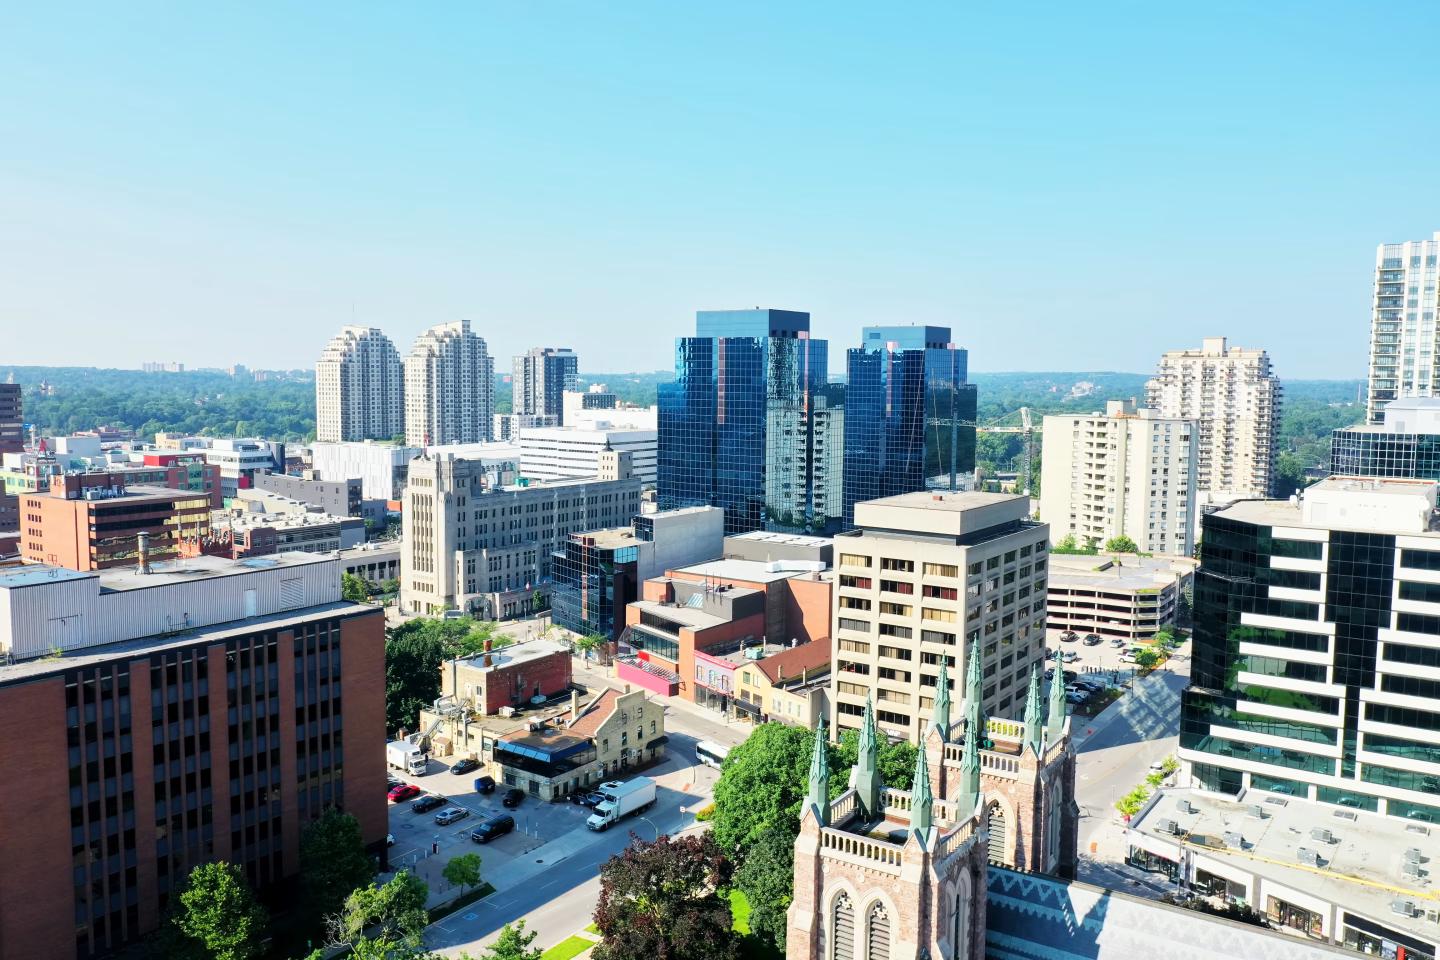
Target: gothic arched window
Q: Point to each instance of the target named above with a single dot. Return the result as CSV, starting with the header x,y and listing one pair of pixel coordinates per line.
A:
x,y
960,920
999,834
843,929
877,933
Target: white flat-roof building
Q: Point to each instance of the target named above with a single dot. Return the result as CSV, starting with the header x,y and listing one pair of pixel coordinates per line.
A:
x,y
381,467
569,453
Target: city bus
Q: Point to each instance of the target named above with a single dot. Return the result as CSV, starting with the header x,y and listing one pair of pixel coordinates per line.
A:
x,y
710,754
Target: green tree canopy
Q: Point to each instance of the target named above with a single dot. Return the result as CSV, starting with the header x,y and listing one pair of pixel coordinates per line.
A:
x,y
1121,544
463,871
513,944
333,862
662,901
353,588
218,911
396,911
767,878
414,653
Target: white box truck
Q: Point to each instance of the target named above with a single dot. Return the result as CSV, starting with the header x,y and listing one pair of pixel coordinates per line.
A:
x,y
406,756
621,800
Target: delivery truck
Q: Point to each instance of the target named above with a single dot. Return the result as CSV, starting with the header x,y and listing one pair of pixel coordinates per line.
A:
x,y
406,756
621,800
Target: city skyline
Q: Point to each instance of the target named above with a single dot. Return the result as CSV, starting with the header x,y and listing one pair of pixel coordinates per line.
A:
x,y
1148,188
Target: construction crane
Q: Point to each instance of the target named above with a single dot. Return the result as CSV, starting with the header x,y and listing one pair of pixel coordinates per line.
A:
x,y
1029,428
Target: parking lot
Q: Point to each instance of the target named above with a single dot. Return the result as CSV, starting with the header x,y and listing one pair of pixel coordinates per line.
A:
x,y
1103,659
422,845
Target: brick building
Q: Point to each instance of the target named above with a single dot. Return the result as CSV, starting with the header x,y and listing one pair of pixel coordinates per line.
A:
x,y
508,677
167,720
92,521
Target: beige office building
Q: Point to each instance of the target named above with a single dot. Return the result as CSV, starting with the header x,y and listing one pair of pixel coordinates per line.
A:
x,y
1234,398
449,387
1126,472
359,388
922,578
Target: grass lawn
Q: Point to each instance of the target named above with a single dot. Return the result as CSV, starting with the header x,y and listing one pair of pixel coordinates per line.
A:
x,y
593,929
739,912
571,946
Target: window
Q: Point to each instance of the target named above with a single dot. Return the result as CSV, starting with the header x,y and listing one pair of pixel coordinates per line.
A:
x,y
859,583
899,566
938,616
941,569
941,593
854,646
897,586
854,560
854,603
1420,559
935,636
1425,592
896,609
894,653
849,623
895,630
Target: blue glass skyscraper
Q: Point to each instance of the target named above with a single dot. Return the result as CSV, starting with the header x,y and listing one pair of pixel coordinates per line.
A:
x,y
909,414
751,425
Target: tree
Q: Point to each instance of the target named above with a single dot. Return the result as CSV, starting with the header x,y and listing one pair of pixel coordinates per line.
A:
x,y
895,760
539,600
662,901
1121,544
762,785
1147,659
463,871
333,862
512,944
414,653
396,911
218,910
390,586
589,643
353,588
767,877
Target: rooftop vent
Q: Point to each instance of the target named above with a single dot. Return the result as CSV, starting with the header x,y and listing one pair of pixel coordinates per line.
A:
x,y
1258,811
1185,806
1410,870
1277,801
1346,815
1416,828
1235,840
1322,834
1413,855
1167,826
1307,856
1404,908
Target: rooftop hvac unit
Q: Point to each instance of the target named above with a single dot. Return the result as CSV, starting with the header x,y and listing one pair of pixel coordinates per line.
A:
x,y
1257,811
1185,806
1234,840
1167,826
1322,834
1413,855
1307,856
1410,870
1404,908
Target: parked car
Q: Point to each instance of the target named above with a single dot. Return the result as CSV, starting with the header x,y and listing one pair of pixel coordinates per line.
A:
x,y
513,797
1158,766
1091,682
465,765
1069,656
1076,688
1069,676
485,784
403,792
427,802
492,828
1069,636
1093,639
392,782
585,799
1075,698
389,839
451,815
1118,642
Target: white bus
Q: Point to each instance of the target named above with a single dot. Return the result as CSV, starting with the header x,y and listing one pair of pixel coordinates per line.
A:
x,y
710,754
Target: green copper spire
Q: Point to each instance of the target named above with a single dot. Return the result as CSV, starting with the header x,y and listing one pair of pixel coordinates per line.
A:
x,y
1034,722
867,773
967,796
819,795
974,716
922,801
1057,699
941,712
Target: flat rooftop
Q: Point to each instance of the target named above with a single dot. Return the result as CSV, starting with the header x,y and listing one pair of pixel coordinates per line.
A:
x,y
794,539
947,502
685,616
1370,504
1123,571
1359,869
754,571
169,571
513,655
611,537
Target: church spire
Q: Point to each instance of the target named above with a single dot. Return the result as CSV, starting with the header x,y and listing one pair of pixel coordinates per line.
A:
x,y
1057,699
819,795
922,801
941,712
974,716
967,797
867,771
1034,721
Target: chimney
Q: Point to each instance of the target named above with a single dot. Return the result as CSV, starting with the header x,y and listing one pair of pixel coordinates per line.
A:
x,y
142,548
574,705
486,661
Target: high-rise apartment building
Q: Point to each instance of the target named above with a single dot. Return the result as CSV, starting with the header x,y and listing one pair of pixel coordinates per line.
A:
x,y
163,721
909,415
539,381
1126,472
477,545
1403,333
928,579
751,424
1316,669
12,419
359,388
1234,398
449,387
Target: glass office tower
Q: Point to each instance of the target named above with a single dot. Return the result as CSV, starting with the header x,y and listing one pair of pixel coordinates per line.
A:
x,y
1406,444
750,424
910,415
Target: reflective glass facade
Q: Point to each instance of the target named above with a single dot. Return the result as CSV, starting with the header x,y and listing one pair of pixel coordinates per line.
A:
x,y
751,425
591,583
1278,683
1361,452
910,415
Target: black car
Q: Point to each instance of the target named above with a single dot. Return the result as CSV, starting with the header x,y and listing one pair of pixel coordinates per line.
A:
x,y
1093,639
512,797
492,828
427,802
485,784
465,765
1069,636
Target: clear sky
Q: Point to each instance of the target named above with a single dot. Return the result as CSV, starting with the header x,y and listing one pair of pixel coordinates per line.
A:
x,y
1068,186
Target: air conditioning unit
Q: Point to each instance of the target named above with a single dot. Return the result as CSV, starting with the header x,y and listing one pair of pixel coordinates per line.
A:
x,y
1322,834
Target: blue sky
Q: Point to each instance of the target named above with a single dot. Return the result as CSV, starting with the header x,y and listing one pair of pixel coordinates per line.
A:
x,y
1068,186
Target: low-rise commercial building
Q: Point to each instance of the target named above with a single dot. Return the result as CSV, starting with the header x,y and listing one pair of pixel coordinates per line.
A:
x,y
791,686
508,425
241,461
380,467
1116,595
339,498
91,521
1345,877
599,572
140,756
375,563
261,534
